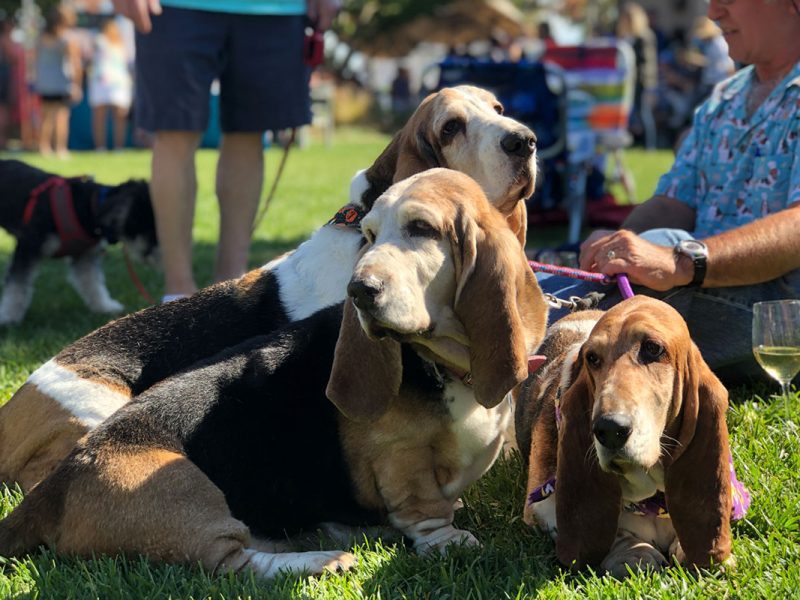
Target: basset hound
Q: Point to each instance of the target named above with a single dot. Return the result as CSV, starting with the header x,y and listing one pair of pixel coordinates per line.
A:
x,y
460,128
627,445
380,410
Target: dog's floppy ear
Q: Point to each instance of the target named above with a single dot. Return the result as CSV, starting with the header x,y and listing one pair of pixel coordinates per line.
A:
x,y
486,304
698,480
588,499
366,373
518,221
411,151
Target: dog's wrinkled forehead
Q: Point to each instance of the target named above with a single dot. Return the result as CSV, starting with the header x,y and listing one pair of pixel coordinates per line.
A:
x,y
439,193
640,318
465,102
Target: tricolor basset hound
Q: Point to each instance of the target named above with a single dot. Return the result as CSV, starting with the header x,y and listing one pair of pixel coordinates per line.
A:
x,y
460,128
52,217
389,423
624,427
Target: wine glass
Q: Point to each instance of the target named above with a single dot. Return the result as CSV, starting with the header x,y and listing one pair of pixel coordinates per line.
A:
x,y
776,340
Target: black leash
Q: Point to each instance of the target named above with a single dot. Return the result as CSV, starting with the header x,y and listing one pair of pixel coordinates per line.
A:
x,y
268,199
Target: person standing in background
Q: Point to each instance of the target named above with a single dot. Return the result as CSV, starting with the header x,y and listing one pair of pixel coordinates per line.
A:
x,y
633,26
110,85
57,79
7,58
255,49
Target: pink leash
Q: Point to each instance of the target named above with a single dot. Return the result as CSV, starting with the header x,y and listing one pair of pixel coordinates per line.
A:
x,y
621,279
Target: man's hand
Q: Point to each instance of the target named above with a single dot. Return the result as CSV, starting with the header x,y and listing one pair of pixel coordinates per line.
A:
x,y
645,263
139,12
322,12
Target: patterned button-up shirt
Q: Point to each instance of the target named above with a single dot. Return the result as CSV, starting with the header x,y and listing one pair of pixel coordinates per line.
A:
x,y
733,169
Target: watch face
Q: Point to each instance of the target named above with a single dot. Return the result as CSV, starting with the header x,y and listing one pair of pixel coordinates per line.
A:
x,y
693,247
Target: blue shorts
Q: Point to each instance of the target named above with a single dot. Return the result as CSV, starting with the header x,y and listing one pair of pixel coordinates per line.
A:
x,y
258,60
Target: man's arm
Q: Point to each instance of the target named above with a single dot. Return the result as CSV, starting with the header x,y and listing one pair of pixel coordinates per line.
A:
x,y
756,252
660,211
139,12
750,254
322,12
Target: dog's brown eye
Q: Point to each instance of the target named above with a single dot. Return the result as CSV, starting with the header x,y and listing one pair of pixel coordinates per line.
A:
x,y
650,351
419,228
593,359
452,127
498,108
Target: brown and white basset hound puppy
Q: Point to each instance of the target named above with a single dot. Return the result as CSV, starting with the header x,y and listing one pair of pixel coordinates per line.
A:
x,y
378,411
629,464
461,128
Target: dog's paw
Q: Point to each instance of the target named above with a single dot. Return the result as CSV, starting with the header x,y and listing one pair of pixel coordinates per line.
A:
x,y
8,319
267,565
109,306
678,557
440,539
640,556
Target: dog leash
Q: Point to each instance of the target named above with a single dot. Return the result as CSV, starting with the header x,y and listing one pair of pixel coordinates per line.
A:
x,y
135,277
268,199
592,299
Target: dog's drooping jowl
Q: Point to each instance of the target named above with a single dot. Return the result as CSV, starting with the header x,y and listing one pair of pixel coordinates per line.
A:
x,y
378,411
461,128
52,216
624,430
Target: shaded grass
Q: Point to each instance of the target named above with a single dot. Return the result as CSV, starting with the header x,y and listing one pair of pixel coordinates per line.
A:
x,y
515,562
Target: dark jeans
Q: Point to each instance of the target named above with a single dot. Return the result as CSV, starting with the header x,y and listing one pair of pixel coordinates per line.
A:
x,y
719,319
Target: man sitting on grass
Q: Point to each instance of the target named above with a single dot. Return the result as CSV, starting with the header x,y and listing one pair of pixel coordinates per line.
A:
x,y
735,185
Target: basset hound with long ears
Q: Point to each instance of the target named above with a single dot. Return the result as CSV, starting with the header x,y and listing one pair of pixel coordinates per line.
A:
x,y
461,128
379,410
627,445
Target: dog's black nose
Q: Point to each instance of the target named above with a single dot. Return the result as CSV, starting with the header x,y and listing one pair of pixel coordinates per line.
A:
x,y
519,143
363,293
612,430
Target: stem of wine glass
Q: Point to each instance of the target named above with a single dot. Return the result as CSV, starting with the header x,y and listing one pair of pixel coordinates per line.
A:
x,y
786,391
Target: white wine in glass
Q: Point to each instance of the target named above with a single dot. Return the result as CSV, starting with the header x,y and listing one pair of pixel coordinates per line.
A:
x,y
776,340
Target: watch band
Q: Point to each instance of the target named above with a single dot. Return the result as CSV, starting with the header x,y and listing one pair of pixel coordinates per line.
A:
x,y
699,270
697,251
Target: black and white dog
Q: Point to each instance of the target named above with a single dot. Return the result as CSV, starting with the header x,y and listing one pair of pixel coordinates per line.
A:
x,y
460,128
52,216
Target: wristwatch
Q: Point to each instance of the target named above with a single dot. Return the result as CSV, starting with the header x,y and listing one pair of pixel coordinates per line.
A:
x,y
698,252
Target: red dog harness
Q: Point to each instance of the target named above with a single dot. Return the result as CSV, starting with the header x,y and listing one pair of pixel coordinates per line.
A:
x,y
74,238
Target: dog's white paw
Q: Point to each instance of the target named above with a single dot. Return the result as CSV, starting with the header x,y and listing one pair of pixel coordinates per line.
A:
x,y
9,319
439,540
109,306
307,563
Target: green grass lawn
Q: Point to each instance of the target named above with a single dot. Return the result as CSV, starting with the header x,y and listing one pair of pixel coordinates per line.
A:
x,y
515,562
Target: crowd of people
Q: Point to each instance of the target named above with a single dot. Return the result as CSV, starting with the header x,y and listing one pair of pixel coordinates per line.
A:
x,y
40,85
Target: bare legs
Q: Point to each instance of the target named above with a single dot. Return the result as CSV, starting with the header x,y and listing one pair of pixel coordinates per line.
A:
x,y
55,128
240,176
173,186
120,122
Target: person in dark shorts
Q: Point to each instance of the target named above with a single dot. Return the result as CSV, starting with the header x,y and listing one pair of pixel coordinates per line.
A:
x,y
254,49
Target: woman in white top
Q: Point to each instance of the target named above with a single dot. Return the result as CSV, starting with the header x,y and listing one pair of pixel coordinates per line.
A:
x,y
110,85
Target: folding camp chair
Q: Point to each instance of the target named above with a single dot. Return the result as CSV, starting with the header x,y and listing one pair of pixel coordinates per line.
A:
x,y
600,77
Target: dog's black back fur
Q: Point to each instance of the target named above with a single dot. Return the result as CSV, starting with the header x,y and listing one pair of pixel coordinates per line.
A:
x,y
142,348
257,422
